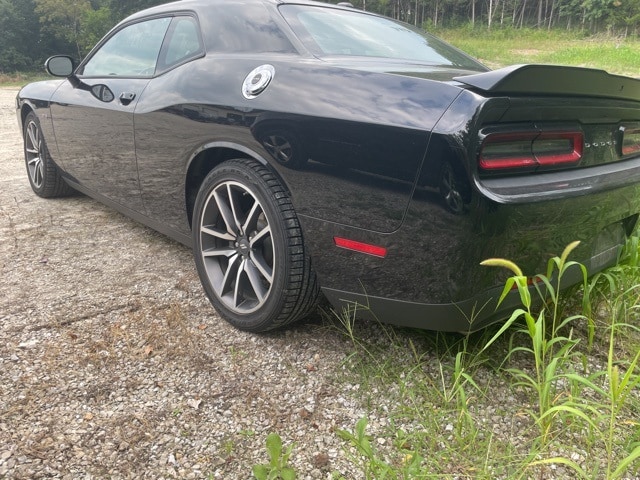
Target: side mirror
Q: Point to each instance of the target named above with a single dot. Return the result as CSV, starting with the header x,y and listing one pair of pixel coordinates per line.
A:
x,y
59,65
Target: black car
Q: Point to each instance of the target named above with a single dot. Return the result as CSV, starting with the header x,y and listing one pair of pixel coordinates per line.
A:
x,y
301,147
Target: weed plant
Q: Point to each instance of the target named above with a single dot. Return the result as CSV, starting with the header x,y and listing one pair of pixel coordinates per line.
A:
x,y
550,349
278,467
577,376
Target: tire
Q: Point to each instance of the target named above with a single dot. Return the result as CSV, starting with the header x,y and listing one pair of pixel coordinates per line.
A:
x,y
249,250
44,175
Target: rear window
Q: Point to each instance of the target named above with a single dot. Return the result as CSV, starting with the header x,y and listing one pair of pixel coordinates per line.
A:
x,y
334,32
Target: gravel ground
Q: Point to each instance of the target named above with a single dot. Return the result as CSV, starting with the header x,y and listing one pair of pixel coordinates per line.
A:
x,y
113,364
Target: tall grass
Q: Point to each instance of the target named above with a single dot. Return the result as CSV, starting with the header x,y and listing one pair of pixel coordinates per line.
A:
x,y
577,375
501,47
19,79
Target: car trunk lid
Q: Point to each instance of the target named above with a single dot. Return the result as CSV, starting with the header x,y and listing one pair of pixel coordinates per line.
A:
x,y
553,80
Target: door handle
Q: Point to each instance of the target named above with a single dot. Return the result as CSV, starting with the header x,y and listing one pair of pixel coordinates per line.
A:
x,y
127,97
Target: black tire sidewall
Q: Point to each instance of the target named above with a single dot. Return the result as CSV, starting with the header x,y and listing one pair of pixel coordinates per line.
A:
x,y
53,185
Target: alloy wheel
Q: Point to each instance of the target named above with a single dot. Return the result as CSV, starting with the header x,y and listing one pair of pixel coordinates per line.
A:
x,y
237,247
33,151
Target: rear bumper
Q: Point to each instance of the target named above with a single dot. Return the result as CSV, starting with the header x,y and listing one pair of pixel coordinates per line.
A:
x,y
562,185
464,316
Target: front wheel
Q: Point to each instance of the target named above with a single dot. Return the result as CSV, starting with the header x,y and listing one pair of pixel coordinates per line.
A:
x,y
44,176
249,250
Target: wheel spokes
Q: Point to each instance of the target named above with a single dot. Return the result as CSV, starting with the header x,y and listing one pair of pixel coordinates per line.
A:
x,y
279,147
237,248
33,152
230,274
257,237
234,207
256,282
227,214
252,217
262,266
34,142
219,252
214,232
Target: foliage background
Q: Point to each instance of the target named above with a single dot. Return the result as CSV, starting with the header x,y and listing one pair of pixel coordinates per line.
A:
x,y
31,30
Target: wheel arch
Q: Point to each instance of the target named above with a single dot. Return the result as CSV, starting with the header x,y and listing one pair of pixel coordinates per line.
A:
x,y
441,151
25,109
207,158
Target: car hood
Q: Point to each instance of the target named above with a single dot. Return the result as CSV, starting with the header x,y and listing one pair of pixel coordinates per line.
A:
x,y
553,80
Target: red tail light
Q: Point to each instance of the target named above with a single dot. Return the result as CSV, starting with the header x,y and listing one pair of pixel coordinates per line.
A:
x,y
502,151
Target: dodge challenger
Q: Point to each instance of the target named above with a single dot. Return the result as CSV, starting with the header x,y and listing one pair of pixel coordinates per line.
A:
x,y
304,149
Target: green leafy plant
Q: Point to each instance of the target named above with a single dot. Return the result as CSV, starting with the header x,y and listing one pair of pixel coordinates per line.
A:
x,y
573,352
454,386
550,349
372,465
559,387
278,467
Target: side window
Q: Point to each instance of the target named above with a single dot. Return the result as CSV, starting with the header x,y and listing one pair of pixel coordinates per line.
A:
x,y
183,43
131,52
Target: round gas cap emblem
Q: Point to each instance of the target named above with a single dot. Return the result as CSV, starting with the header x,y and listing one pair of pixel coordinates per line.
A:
x,y
257,81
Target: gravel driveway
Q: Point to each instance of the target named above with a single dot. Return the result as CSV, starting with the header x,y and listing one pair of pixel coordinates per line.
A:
x,y
113,364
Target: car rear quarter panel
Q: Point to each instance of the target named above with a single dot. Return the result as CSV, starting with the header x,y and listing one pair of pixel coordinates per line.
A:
x,y
365,134
433,260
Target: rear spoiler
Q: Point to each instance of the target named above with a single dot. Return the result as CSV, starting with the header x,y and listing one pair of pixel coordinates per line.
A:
x,y
554,80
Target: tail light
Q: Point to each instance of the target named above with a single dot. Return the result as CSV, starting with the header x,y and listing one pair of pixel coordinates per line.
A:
x,y
503,151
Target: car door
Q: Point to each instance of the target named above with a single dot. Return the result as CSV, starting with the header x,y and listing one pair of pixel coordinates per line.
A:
x,y
93,111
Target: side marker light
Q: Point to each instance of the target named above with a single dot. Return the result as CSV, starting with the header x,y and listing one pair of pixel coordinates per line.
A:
x,y
361,247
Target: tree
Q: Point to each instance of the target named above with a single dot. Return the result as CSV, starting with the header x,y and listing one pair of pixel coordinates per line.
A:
x,y
19,35
95,24
122,8
63,19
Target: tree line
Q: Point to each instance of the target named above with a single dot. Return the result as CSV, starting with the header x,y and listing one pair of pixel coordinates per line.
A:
x,y
613,17
31,30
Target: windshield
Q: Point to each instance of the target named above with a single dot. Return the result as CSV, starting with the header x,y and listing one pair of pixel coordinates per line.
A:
x,y
330,32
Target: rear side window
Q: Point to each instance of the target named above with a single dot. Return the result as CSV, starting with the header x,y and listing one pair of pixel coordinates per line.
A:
x,y
182,44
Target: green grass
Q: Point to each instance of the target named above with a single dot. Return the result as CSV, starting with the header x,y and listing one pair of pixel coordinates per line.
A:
x,y
501,47
553,395
19,79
